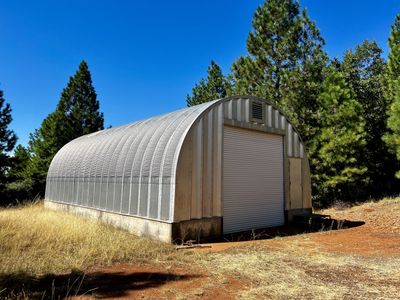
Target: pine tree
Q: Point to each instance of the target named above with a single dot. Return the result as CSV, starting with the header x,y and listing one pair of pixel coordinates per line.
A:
x,y
19,163
78,109
363,70
272,49
7,141
18,186
335,150
392,91
285,62
302,85
214,87
77,113
393,139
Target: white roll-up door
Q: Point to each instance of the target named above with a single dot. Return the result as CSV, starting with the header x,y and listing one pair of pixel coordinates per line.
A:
x,y
253,180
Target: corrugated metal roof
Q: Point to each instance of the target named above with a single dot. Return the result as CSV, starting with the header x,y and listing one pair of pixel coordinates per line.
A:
x,y
90,170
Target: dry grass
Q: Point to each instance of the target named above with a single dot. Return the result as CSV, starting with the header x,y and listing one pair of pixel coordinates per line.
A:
x,y
290,274
37,241
298,268
341,206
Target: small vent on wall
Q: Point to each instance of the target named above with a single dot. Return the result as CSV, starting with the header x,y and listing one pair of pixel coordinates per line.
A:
x,y
257,112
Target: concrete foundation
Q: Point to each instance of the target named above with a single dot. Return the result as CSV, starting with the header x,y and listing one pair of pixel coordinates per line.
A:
x,y
197,229
165,232
300,211
138,226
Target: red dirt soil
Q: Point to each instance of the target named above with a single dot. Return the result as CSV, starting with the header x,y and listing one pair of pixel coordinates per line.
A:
x,y
380,235
147,281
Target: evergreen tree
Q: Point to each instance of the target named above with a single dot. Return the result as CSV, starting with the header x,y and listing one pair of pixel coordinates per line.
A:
x,y
43,145
363,70
77,113
393,139
19,163
7,141
285,62
392,74
272,49
302,85
18,187
214,87
335,151
392,83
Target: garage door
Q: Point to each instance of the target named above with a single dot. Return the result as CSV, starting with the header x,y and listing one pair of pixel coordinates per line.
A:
x,y
253,180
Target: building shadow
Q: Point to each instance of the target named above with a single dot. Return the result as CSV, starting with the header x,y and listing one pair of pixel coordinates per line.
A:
x,y
98,284
300,225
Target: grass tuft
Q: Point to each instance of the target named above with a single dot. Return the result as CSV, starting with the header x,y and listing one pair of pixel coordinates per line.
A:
x,y
38,241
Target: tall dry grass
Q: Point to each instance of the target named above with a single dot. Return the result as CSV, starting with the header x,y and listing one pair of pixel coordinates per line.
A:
x,y
292,272
37,241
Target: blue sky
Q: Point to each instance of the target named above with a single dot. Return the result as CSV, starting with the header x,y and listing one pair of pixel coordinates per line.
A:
x,y
145,56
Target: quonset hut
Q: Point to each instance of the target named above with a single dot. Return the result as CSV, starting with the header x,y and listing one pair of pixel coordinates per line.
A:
x,y
225,166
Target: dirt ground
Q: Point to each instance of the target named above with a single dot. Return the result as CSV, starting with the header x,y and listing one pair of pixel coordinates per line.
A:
x,y
157,282
378,237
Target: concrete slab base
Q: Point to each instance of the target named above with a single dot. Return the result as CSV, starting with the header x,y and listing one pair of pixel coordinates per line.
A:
x,y
141,227
197,229
299,211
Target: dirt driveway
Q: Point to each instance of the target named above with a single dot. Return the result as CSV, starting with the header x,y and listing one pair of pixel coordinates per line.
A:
x,y
377,239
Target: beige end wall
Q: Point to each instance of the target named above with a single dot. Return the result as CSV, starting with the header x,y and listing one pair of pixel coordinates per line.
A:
x,y
199,176
199,170
299,187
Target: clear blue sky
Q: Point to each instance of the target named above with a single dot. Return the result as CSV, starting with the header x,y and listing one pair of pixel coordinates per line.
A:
x,y
145,56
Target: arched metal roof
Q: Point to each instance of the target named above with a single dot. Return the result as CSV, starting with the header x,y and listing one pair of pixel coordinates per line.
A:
x,y
146,150
148,143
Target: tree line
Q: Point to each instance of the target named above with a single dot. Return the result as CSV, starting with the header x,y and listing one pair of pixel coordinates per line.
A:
x,y
23,174
347,111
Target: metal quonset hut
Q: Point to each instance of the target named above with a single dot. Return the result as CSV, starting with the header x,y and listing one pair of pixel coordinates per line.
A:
x,y
225,166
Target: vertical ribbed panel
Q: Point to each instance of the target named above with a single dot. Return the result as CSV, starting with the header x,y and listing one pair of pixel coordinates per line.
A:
x,y
289,140
125,164
197,179
170,160
207,164
269,115
152,157
217,161
276,118
115,167
239,113
296,145
246,107
229,109
283,122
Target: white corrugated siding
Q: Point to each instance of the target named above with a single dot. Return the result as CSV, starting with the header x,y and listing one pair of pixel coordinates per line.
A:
x,y
253,180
